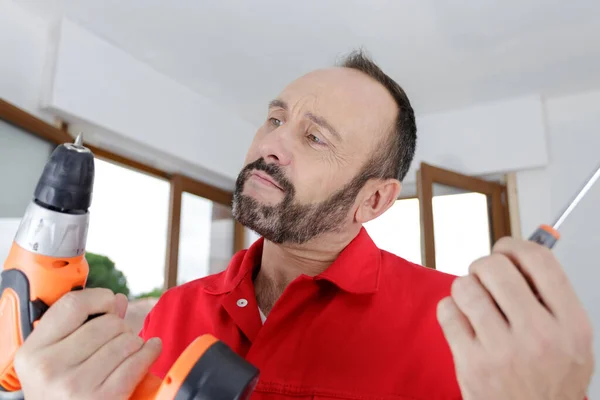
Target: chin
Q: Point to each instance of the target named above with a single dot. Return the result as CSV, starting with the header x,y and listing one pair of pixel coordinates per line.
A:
x,y
261,198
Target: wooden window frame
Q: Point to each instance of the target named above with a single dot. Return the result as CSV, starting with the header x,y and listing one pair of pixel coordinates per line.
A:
x,y
427,175
178,183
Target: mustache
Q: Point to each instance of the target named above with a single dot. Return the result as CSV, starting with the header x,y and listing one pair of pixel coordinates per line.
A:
x,y
273,170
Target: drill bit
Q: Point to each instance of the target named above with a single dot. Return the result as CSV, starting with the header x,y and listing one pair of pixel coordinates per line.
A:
x,y
79,140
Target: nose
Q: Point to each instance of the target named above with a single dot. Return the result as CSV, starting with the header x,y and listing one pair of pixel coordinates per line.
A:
x,y
275,147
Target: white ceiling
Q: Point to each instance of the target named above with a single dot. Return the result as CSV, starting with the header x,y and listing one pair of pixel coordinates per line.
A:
x,y
446,53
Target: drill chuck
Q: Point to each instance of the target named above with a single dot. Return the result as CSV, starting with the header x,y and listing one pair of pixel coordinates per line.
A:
x,y
67,180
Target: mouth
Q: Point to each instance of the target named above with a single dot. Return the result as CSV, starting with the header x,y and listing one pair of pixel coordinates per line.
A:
x,y
261,176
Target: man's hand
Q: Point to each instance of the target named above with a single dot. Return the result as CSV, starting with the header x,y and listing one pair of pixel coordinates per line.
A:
x,y
64,358
510,341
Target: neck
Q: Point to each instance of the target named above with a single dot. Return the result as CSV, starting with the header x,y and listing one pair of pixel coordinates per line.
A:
x,y
281,264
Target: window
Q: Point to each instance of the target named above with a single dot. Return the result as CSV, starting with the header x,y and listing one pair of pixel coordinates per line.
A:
x,y
398,230
461,230
206,238
461,217
22,160
128,224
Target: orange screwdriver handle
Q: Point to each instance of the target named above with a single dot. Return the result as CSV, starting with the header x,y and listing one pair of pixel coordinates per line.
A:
x,y
207,369
546,236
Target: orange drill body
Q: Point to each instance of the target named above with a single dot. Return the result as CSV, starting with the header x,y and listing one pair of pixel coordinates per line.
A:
x,y
47,260
32,283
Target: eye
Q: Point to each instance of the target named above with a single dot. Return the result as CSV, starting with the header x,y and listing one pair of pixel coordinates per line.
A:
x,y
314,139
275,122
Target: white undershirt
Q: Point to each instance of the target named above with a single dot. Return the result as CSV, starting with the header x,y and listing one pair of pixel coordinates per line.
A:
x,y
263,317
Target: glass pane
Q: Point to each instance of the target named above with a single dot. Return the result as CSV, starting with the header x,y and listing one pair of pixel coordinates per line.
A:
x,y
8,229
26,153
461,228
398,230
128,225
205,239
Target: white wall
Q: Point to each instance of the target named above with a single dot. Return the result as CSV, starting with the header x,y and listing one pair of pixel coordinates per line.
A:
x,y
137,107
24,46
573,132
475,140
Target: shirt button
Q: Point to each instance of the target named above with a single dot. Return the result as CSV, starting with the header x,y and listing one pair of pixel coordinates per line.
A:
x,y
242,303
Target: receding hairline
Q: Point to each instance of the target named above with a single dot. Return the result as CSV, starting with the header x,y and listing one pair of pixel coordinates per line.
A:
x,y
355,73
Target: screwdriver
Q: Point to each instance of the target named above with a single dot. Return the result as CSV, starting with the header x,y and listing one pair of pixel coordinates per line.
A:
x,y
547,235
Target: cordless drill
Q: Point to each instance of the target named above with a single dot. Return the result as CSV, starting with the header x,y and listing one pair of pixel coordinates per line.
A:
x,y
47,260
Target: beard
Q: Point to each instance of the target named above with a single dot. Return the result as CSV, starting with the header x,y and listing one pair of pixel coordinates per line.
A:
x,y
290,221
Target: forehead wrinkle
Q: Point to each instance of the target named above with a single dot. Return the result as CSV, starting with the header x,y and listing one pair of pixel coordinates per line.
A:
x,y
355,106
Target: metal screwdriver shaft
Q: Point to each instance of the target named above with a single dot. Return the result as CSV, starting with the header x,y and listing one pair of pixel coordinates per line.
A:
x,y
577,199
547,235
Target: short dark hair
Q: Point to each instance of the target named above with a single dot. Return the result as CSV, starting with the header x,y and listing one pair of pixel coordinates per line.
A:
x,y
397,153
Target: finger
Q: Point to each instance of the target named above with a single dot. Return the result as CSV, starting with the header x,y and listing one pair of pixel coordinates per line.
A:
x,y
455,326
69,313
541,268
509,289
89,338
129,374
480,309
121,305
97,368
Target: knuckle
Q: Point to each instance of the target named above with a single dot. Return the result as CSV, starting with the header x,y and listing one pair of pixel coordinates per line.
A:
x,y
128,344
100,290
481,367
586,334
584,337
539,255
464,289
70,386
503,357
71,301
458,285
36,367
504,242
490,265
112,323
477,265
543,343
42,368
21,361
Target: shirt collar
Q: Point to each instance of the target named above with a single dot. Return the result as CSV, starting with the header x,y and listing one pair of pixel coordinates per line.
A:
x,y
356,269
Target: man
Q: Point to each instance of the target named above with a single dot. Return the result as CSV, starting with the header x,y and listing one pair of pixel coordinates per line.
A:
x,y
314,304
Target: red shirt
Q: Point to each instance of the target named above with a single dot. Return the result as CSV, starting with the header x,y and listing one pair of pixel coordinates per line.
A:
x,y
364,329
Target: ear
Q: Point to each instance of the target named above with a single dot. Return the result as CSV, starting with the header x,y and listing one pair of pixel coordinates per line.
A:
x,y
379,196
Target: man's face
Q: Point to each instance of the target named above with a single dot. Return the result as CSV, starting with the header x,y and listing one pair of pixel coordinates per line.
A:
x,y
303,169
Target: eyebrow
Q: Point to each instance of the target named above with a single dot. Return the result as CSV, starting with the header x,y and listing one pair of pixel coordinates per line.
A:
x,y
278,104
322,122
